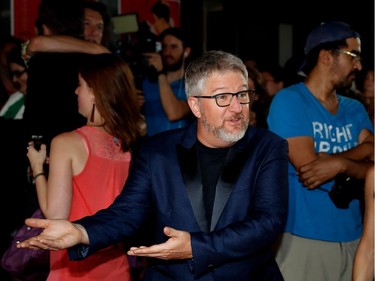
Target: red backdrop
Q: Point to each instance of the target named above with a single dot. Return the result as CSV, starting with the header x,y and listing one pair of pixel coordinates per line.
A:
x,y
143,8
24,13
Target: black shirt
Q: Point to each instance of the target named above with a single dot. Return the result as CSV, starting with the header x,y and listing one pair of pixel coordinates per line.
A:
x,y
211,161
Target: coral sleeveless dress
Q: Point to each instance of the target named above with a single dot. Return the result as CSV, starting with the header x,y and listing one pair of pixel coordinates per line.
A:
x,y
95,188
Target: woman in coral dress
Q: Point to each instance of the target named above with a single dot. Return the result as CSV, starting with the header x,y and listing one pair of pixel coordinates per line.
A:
x,y
89,166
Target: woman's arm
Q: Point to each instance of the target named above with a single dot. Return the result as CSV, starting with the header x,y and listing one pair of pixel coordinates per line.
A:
x,y
55,195
61,43
363,268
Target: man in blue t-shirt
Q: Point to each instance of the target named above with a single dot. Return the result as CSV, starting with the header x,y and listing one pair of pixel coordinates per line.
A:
x,y
329,135
165,103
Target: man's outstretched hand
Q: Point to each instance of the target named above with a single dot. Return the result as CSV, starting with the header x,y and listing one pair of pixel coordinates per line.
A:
x,y
57,235
177,247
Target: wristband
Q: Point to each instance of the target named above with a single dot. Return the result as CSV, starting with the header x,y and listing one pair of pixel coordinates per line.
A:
x,y
36,176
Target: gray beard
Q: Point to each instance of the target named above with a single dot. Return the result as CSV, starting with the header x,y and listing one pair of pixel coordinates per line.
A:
x,y
222,134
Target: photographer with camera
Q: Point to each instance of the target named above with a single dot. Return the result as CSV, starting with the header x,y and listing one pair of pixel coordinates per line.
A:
x,y
165,106
331,143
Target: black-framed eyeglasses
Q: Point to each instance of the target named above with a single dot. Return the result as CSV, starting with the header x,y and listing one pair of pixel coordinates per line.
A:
x,y
355,57
224,99
18,73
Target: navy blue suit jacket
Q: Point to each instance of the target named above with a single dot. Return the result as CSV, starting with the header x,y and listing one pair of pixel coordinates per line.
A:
x,y
249,210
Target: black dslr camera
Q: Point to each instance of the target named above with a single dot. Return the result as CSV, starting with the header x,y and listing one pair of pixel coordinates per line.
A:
x,y
345,190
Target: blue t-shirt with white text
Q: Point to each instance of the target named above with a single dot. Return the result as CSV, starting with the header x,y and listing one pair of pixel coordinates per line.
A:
x,y
295,112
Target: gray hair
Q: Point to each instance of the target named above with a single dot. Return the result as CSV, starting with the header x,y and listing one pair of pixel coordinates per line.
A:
x,y
199,70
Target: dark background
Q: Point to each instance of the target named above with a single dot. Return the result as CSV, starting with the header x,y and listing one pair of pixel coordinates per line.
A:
x,y
250,28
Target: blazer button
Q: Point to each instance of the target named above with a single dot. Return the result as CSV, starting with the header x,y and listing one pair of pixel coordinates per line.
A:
x,y
211,267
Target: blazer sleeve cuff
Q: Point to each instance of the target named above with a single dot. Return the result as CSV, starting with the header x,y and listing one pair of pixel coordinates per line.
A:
x,y
201,263
78,252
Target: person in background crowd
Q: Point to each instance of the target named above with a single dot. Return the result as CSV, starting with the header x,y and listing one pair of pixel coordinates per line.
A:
x,y
14,107
162,17
330,136
273,76
368,92
6,45
256,82
3,94
96,22
251,62
363,268
272,81
13,163
50,109
292,73
48,114
89,166
192,181
165,106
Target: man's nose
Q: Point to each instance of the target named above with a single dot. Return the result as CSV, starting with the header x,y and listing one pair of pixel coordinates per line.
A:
x,y
235,105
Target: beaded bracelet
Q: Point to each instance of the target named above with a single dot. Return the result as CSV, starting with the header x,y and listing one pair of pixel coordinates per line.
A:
x,y
24,52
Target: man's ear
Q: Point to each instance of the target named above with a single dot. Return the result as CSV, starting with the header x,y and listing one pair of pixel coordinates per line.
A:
x,y
325,57
194,106
187,52
46,30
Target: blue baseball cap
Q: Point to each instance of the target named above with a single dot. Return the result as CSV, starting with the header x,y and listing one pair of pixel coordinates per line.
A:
x,y
329,32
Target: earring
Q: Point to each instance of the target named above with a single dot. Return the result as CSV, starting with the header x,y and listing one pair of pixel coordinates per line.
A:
x,y
92,117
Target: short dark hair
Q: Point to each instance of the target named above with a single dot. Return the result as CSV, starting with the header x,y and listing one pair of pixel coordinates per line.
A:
x,y
276,71
99,7
178,33
161,10
63,17
14,56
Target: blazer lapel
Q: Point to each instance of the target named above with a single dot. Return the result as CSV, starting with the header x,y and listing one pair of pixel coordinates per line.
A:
x,y
233,165
190,171
223,190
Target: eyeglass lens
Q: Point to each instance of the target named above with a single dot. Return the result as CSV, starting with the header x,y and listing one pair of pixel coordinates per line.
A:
x,y
355,57
226,98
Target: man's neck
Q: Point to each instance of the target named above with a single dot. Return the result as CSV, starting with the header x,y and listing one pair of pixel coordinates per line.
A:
x,y
175,75
324,92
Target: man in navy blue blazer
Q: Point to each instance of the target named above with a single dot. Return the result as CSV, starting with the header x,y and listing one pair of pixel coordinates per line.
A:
x,y
217,190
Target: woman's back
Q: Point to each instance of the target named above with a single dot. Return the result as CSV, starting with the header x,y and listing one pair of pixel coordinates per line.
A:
x,y
95,188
